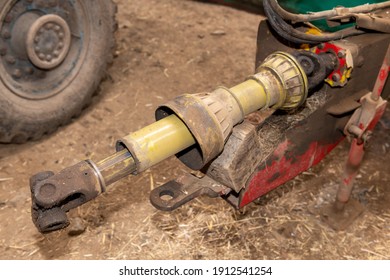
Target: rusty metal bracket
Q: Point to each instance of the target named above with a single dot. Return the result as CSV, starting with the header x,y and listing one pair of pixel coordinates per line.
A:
x,y
53,195
359,128
361,122
373,106
175,193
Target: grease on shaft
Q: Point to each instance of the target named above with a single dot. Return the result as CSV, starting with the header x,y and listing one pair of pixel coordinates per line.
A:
x,y
116,167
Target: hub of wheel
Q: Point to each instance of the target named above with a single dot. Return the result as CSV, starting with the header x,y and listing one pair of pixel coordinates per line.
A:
x,y
48,41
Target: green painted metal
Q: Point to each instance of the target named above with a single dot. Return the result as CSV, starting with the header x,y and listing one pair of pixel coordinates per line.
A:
x,y
305,6
302,7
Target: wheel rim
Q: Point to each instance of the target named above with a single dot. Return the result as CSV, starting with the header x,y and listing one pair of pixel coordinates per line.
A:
x,y
43,44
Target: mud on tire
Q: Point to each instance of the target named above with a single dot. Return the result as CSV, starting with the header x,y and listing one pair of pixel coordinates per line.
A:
x,y
37,95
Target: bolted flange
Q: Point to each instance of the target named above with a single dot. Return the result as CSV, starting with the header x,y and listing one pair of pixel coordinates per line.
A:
x,y
48,41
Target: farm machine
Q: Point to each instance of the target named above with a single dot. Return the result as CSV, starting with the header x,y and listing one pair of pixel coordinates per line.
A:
x,y
321,72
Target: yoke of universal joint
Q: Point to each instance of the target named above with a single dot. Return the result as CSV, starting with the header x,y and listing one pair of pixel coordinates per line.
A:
x,y
54,195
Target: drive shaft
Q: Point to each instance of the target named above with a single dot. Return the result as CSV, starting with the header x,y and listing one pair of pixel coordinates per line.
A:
x,y
194,127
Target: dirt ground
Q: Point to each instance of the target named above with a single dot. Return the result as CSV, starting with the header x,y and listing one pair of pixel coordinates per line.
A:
x,y
166,48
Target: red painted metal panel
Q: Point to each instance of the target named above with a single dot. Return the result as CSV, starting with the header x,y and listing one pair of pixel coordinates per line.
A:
x,y
282,167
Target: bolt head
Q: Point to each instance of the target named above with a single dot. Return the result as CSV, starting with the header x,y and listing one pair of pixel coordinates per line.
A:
x,y
341,54
11,60
17,74
336,77
3,51
49,26
6,34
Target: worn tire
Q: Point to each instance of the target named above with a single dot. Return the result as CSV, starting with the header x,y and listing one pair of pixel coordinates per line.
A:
x,y
23,118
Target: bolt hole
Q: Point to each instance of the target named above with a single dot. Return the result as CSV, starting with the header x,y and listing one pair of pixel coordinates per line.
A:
x,y
86,173
167,195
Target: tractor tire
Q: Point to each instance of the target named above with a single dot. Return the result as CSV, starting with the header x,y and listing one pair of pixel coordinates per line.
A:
x,y
53,56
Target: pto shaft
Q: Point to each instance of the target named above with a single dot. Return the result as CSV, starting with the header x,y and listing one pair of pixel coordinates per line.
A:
x,y
194,127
